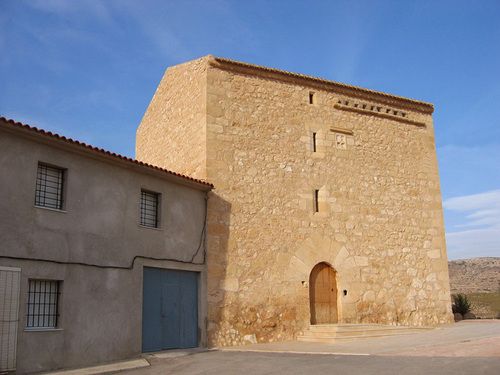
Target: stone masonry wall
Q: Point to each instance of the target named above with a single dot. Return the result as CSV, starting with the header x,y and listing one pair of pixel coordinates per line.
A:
x,y
176,118
379,223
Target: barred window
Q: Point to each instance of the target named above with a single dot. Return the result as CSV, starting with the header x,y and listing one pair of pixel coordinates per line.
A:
x,y
43,300
49,187
149,208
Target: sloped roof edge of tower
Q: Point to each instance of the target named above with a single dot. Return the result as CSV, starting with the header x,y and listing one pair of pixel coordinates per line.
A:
x,y
321,83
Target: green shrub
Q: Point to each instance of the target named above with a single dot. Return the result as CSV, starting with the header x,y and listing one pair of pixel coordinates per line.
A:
x,y
461,304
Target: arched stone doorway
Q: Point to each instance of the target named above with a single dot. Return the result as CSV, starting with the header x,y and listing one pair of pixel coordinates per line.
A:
x,y
323,294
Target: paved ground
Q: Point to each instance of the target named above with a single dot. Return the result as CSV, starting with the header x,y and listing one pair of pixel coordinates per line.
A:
x,y
464,348
222,363
479,338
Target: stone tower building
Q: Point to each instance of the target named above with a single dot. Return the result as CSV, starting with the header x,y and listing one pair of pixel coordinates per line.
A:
x,y
327,205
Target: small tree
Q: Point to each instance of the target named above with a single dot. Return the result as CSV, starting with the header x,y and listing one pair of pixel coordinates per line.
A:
x,y
461,304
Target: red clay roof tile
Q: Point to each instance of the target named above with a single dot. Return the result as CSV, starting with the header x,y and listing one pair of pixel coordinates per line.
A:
x,y
49,134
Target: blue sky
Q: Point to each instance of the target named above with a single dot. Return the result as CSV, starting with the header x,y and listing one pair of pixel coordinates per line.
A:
x,y
88,69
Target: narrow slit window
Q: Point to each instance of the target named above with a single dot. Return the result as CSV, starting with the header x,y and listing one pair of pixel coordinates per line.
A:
x,y
314,142
311,97
150,209
316,201
49,187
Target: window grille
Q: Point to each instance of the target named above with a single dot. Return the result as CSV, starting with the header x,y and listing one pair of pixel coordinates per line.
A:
x,y
49,187
43,300
149,209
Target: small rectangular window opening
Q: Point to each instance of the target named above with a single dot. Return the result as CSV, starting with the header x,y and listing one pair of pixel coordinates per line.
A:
x,y
316,201
149,209
43,301
311,97
49,187
314,141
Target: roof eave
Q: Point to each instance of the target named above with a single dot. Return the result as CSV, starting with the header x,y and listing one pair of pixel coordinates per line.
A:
x,y
349,90
88,150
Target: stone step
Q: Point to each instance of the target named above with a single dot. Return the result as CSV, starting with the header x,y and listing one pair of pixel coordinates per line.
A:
x,y
336,332
378,332
360,328
331,340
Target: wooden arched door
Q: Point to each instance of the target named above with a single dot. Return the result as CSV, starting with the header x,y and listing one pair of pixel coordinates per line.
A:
x,y
323,294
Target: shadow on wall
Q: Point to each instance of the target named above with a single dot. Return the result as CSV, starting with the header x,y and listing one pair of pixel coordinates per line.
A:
x,y
219,213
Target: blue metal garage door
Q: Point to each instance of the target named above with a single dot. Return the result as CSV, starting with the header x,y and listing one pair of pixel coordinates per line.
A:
x,y
169,310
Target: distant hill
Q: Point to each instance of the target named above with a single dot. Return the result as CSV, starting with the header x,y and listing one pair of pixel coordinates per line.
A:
x,y
475,275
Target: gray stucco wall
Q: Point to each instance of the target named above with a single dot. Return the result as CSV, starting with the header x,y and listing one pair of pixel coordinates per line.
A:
x,y
100,309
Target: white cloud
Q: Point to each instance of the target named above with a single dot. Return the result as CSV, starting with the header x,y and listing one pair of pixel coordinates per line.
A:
x,y
473,243
469,202
483,209
481,225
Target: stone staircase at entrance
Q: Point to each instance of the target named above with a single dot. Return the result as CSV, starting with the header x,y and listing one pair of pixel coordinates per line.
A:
x,y
330,333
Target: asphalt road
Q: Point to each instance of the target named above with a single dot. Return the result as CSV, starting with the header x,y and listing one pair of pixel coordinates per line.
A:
x,y
248,363
464,348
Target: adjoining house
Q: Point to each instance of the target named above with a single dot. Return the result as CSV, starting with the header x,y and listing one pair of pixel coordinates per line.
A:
x,y
102,257
328,205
